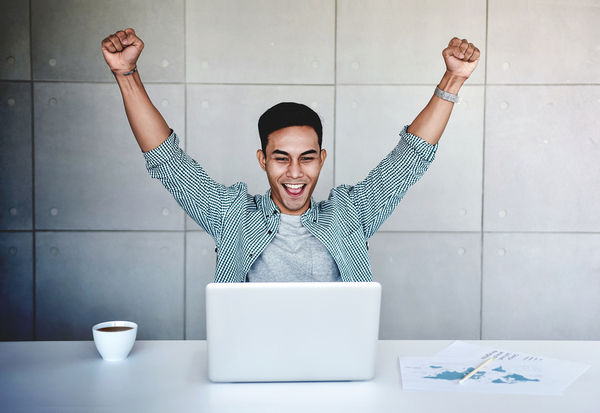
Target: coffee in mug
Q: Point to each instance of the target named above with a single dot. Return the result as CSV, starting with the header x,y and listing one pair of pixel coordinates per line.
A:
x,y
115,329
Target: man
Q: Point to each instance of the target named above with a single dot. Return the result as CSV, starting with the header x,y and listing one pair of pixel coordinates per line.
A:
x,y
284,235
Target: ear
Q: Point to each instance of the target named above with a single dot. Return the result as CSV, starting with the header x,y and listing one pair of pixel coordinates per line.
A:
x,y
260,155
323,156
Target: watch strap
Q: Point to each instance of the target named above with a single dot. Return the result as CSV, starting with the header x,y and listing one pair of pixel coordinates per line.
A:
x,y
447,96
127,73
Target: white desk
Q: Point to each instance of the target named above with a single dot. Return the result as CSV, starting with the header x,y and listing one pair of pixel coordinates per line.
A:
x,y
170,376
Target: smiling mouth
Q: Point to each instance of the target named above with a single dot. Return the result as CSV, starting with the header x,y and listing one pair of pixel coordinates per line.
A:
x,y
294,189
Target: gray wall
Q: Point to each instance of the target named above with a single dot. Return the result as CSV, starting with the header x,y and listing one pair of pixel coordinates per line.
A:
x,y
499,240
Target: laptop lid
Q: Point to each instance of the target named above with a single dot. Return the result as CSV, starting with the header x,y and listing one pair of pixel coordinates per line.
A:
x,y
292,331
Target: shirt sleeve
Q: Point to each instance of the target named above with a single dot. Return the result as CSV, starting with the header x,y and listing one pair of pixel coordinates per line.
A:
x,y
203,199
376,197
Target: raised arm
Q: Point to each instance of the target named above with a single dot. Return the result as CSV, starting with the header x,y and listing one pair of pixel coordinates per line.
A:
x,y
121,52
461,59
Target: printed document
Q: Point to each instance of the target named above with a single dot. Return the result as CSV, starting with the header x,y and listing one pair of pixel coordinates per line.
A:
x,y
509,372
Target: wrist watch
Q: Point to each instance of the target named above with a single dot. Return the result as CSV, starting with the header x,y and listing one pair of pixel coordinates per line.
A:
x,y
447,96
128,73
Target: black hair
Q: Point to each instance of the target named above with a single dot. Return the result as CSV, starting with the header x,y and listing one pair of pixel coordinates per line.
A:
x,y
287,114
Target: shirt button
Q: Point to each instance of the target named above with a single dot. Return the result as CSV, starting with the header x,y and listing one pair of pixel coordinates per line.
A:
x,y
251,255
274,212
270,232
314,220
267,216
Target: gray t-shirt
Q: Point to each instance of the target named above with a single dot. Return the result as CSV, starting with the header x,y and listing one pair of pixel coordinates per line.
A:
x,y
294,255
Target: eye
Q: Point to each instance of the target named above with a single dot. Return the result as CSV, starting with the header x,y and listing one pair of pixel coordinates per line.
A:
x,y
307,158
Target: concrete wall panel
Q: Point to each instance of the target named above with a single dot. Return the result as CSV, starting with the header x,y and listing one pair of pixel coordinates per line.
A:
x,y
543,42
16,158
431,284
401,42
84,278
16,286
104,184
541,287
265,41
15,53
542,157
448,197
67,37
199,272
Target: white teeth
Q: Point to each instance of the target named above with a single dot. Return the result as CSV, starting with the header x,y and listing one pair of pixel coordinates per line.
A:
x,y
294,186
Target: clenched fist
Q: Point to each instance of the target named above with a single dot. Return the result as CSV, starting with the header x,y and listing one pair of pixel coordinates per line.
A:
x,y
461,57
122,50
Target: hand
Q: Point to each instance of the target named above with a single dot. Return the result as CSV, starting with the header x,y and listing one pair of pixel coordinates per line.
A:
x,y
122,50
461,57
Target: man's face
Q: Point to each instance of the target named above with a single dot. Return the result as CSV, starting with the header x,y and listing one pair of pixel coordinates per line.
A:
x,y
293,162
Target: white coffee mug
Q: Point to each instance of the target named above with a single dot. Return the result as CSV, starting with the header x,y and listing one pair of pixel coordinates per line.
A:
x,y
114,339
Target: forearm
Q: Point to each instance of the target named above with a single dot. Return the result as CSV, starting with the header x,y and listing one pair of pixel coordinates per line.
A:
x,y
147,124
430,124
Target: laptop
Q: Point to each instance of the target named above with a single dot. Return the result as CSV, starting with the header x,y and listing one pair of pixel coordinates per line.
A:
x,y
305,331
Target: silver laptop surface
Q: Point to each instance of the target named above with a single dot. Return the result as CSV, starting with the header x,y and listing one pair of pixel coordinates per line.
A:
x,y
292,331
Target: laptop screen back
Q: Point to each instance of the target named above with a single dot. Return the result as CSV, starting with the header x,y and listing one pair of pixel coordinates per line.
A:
x,y
292,331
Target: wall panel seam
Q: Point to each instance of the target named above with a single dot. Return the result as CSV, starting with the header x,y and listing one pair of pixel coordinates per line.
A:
x,y
485,67
33,255
111,230
334,90
186,141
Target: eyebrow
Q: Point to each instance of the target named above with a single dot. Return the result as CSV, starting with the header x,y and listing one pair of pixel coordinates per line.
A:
x,y
311,151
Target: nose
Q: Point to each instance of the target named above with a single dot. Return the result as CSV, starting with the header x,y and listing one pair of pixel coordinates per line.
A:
x,y
294,170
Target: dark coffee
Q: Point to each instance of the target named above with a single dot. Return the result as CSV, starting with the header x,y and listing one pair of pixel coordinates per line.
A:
x,y
114,329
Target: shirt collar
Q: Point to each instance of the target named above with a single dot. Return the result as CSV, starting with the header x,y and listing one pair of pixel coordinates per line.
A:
x,y
311,213
268,206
